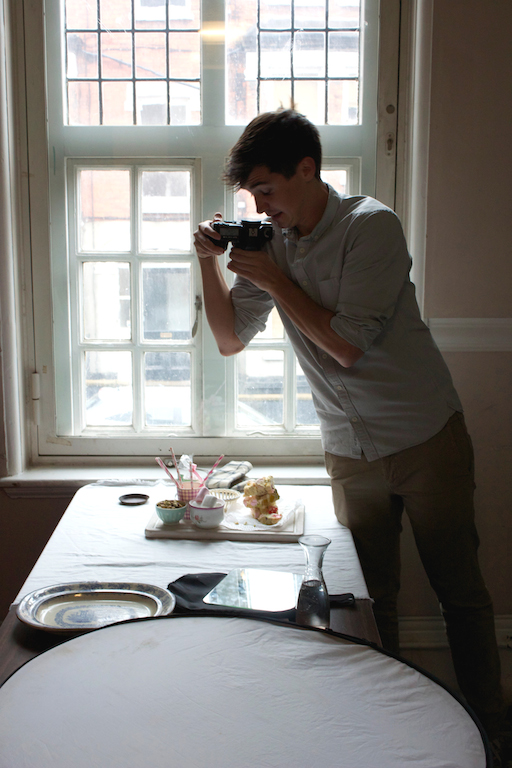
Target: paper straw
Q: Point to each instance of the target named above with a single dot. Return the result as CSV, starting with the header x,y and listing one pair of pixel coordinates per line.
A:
x,y
196,473
166,469
175,462
214,467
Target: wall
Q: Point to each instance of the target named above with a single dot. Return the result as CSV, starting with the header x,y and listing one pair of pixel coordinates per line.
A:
x,y
25,527
468,266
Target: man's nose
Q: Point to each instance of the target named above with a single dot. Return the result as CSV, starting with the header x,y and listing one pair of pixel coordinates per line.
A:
x,y
259,205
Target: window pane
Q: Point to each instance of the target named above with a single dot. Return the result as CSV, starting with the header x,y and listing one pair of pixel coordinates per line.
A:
x,y
309,54
343,54
116,55
166,301
117,103
82,54
275,15
150,15
274,328
167,389
306,413
344,13
310,99
165,211
275,94
83,104
275,56
245,207
309,15
80,15
151,97
184,103
343,102
108,389
106,300
150,58
184,14
337,179
115,15
104,210
184,55
260,387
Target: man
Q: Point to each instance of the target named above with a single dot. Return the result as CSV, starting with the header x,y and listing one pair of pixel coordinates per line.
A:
x,y
337,269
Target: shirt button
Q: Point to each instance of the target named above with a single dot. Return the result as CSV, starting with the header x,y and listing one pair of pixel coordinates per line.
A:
x,y
354,420
304,282
301,250
324,357
339,388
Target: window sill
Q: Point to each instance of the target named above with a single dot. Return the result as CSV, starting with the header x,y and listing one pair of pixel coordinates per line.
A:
x,y
62,482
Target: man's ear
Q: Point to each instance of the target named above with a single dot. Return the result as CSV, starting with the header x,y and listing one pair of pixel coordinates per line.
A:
x,y
307,168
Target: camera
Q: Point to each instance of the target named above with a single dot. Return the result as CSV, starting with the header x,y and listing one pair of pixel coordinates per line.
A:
x,y
245,234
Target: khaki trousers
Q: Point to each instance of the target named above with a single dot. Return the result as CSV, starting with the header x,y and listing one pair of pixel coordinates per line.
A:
x,y
434,483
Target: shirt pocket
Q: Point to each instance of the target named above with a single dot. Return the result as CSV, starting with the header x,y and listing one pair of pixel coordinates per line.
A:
x,y
329,293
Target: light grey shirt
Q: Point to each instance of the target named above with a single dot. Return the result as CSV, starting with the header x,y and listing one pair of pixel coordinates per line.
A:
x,y
356,264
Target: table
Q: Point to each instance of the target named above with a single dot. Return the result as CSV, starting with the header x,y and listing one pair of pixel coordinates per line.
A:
x,y
99,539
206,691
210,692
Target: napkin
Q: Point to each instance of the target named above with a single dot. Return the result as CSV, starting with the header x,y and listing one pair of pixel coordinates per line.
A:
x,y
190,589
229,475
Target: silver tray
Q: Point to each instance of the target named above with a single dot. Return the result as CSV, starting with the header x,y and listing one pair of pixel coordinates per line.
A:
x,y
92,604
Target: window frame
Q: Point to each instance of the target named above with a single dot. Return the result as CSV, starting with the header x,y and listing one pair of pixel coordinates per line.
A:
x,y
47,441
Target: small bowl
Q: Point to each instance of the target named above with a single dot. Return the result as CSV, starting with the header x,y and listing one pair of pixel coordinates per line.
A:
x,y
206,517
225,494
170,515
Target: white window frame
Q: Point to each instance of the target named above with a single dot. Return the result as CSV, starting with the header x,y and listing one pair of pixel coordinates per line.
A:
x,y
47,442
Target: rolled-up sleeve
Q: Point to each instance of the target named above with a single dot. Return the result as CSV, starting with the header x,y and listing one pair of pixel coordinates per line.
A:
x,y
252,307
375,268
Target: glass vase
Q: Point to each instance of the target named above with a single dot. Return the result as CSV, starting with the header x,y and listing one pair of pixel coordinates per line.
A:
x,y
313,600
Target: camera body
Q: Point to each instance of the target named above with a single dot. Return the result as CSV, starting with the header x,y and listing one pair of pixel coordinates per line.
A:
x,y
245,234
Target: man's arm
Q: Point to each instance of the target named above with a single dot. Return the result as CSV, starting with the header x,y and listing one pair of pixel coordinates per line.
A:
x,y
308,316
217,296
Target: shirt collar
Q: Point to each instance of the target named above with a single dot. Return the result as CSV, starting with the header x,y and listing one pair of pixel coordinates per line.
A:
x,y
325,222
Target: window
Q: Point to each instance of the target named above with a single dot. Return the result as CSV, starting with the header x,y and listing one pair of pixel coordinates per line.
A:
x,y
132,63
144,99
280,51
130,266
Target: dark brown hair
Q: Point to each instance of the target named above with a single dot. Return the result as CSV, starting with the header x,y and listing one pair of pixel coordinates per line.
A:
x,y
278,140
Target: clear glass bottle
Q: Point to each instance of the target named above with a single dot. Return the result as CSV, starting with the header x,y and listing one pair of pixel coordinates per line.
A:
x,y
313,601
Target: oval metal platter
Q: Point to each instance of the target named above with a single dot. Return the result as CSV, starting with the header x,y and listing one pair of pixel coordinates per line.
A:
x,y
92,604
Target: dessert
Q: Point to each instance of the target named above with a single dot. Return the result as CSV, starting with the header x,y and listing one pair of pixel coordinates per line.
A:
x,y
260,498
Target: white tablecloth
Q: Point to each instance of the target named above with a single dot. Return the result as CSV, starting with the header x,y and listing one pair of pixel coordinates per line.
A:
x,y
99,539
210,692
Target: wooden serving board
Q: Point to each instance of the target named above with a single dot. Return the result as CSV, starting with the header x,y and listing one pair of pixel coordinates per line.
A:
x,y
155,529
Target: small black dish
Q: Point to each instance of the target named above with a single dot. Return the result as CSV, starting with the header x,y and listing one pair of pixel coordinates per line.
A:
x,y
132,499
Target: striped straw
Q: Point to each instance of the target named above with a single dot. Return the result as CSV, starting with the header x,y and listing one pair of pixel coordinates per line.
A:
x,y
196,473
214,467
166,469
174,462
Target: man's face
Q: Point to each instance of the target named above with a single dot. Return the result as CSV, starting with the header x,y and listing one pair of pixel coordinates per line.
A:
x,y
284,200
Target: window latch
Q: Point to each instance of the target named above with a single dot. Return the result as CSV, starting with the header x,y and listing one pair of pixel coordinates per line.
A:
x,y
390,143
36,394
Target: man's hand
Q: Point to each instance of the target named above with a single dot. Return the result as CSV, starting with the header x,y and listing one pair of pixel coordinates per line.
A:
x,y
204,247
256,266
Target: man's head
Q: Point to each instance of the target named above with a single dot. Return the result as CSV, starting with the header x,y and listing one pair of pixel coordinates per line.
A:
x,y
277,140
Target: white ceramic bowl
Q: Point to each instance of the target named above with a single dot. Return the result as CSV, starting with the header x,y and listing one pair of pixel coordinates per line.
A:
x,y
206,517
